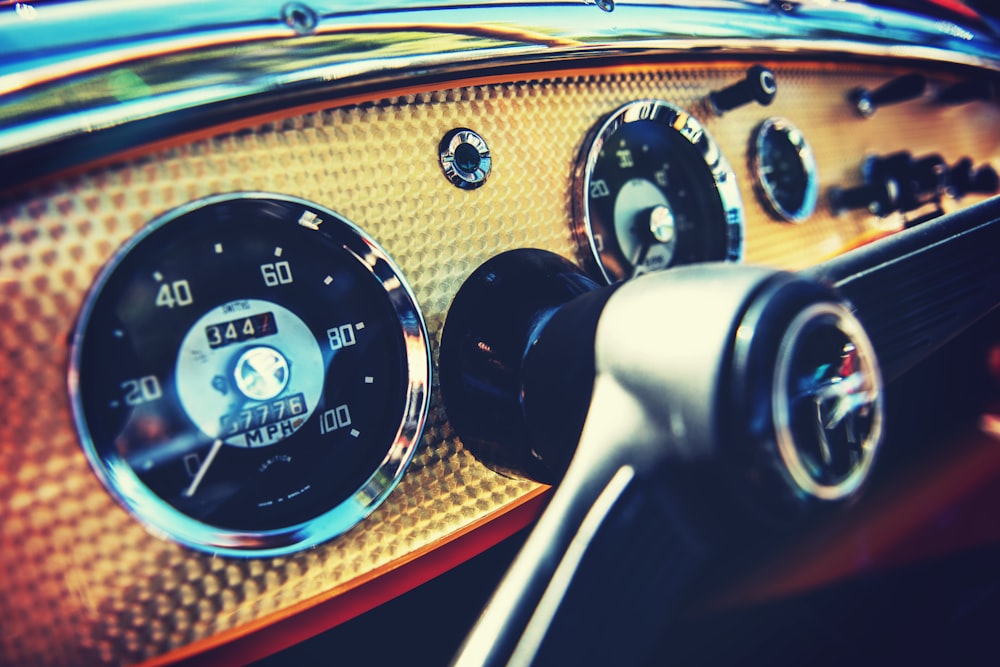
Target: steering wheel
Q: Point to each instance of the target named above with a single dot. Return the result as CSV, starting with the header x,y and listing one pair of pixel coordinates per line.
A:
x,y
684,414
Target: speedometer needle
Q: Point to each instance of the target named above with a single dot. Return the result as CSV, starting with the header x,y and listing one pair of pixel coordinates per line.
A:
x,y
190,491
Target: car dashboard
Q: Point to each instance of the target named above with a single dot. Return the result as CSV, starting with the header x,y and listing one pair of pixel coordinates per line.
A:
x,y
425,140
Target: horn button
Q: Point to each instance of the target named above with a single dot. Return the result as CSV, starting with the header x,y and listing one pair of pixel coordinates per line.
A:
x,y
827,401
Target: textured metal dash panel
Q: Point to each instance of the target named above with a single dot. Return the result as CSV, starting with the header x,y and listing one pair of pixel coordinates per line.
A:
x,y
83,582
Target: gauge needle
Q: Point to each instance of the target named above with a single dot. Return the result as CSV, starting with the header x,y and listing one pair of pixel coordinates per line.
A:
x,y
638,260
190,491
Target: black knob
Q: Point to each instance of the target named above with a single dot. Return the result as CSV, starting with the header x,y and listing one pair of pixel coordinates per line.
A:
x,y
929,176
900,89
895,166
880,197
759,86
960,178
504,413
917,181
967,91
963,179
986,181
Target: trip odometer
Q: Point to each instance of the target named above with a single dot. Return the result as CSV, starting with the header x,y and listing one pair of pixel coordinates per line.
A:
x,y
250,374
653,190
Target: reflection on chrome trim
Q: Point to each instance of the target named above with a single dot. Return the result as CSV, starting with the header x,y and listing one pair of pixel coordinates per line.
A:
x,y
142,61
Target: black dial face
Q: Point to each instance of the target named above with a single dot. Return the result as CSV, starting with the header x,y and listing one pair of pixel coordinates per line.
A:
x,y
785,170
243,368
654,191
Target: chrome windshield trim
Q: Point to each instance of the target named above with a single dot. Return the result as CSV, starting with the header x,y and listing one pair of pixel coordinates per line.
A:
x,y
143,61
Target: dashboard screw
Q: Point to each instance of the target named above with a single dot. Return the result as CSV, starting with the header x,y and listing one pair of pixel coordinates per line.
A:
x,y
299,17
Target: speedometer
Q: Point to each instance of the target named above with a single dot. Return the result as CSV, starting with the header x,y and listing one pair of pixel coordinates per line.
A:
x,y
653,190
250,374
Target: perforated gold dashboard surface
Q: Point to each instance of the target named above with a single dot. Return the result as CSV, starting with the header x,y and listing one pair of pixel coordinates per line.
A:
x,y
84,583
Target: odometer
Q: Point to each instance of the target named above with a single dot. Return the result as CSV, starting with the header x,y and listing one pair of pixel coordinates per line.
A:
x,y
242,329
249,374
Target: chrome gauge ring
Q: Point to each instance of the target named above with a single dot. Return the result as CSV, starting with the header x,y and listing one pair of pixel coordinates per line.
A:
x,y
784,170
653,190
250,374
827,402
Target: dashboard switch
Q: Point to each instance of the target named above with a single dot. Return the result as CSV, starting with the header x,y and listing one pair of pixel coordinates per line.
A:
x,y
930,175
963,92
918,180
900,89
986,181
880,197
758,86
964,179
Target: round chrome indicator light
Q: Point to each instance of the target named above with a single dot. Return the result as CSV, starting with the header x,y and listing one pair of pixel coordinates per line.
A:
x,y
465,158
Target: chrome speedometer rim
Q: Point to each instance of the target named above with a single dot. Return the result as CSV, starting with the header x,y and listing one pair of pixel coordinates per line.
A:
x,y
162,518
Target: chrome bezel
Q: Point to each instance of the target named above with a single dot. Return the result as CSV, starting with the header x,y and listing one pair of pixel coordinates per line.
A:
x,y
162,519
457,175
807,161
686,126
842,319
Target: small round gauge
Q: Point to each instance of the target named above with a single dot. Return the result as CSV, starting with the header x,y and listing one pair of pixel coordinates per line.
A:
x,y
784,170
653,190
249,374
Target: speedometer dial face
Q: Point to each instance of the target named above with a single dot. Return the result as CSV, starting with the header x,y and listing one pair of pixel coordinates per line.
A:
x,y
653,191
784,170
250,374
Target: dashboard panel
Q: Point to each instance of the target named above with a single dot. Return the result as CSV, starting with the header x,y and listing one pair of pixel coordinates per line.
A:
x,y
86,583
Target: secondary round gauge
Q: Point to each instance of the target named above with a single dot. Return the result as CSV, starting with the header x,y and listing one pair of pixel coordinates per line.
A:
x,y
249,374
653,190
784,170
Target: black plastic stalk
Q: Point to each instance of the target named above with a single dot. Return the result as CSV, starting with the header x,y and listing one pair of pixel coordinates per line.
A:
x,y
879,197
963,92
901,89
759,85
